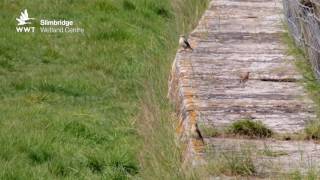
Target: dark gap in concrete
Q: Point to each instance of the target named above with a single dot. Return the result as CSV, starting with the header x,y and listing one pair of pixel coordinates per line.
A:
x,y
279,80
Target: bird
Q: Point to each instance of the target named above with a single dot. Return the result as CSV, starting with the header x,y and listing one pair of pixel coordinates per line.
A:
x,y
183,42
244,77
195,132
24,17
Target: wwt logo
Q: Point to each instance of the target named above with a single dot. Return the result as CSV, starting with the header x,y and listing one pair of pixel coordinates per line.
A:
x,y
24,20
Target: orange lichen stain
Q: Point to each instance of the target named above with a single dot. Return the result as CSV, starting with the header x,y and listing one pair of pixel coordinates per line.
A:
x,y
197,145
189,93
193,118
180,127
189,98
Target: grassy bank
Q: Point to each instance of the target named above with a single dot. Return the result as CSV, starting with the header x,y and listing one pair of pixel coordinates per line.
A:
x,y
311,84
90,105
161,157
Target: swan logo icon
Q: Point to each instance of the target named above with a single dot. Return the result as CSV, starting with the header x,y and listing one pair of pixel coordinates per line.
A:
x,y
24,18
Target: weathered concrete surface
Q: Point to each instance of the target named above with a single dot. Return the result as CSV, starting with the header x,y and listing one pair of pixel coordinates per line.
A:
x,y
270,156
234,37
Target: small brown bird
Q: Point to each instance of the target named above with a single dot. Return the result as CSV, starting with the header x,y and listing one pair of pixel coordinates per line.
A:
x,y
195,132
244,77
183,42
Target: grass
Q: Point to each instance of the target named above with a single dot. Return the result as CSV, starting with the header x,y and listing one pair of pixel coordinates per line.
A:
x,y
312,85
232,163
296,175
267,151
244,127
209,131
84,106
250,128
312,130
160,155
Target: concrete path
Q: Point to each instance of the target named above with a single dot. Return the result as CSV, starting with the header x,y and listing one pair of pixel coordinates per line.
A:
x,y
232,38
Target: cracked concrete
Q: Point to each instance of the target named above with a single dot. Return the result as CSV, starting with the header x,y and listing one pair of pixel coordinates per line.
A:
x,y
234,37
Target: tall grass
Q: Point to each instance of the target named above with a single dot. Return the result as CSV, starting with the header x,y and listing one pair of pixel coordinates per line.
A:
x,y
82,106
311,84
160,155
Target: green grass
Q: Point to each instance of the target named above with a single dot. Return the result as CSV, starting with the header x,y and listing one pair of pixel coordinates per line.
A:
x,y
232,163
311,84
250,128
296,175
209,131
313,130
244,127
267,151
73,105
